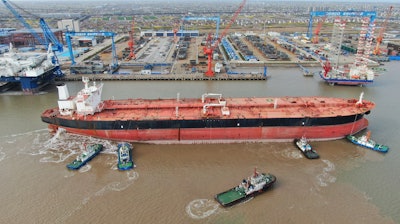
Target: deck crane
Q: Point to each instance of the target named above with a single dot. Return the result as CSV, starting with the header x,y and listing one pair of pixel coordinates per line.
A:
x,y
131,42
209,48
315,38
379,39
49,36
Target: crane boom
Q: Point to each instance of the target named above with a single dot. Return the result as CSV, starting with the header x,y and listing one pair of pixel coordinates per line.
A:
x,y
379,39
131,43
208,50
23,21
225,31
49,36
315,39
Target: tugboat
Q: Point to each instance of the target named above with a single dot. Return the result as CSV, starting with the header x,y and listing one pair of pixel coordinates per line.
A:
x,y
125,156
90,152
306,148
367,142
252,186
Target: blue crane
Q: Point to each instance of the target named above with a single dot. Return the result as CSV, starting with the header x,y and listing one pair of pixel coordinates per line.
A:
x,y
49,36
69,34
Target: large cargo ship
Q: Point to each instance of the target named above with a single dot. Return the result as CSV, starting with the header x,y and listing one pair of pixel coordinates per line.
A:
x,y
210,118
31,70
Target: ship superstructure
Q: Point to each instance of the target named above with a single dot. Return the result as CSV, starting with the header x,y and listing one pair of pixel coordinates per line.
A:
x,y
31,70
211,118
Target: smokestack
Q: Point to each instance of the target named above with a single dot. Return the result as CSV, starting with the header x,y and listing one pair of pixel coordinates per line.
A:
x,y
63,93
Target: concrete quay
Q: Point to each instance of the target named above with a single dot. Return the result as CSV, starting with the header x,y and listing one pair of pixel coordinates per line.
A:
x,y
167,77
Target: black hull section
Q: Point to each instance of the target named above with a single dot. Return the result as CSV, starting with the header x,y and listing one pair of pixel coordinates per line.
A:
x,y
202,123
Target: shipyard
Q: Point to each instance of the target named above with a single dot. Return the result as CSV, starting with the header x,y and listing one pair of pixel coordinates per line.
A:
x,y
204,47
241,111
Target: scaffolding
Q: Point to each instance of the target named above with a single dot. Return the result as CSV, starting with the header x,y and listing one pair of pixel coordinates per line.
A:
x,y
364,43
339,26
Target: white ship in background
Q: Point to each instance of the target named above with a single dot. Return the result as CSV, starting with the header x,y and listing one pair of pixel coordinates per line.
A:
x,y
32,70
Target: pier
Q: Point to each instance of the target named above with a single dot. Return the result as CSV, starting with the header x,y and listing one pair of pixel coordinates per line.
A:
x,y
167,77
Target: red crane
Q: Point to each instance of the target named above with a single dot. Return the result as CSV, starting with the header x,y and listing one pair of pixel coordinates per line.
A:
x,y
209,48
131,42
379,39
317,30
175,30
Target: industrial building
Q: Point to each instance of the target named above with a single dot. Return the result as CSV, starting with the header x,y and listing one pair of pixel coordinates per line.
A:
x,y
23,38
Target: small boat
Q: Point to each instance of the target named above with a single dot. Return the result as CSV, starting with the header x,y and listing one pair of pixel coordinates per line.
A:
x,y
367,142
306,148
125,156
252,186
89,153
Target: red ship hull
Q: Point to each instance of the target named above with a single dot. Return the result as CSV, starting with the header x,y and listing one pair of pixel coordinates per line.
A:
x,y
218,135
211,118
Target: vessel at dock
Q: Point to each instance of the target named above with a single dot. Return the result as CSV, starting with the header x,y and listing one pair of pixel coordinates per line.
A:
x,y
31,70
357,73
211,118
347,75
250,187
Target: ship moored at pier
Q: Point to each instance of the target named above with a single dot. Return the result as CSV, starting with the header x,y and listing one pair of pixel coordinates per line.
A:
x,y
211,118
31,70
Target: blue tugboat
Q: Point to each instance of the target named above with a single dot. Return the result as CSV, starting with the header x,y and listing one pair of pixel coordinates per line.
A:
x,y
125,156
90,152
366,142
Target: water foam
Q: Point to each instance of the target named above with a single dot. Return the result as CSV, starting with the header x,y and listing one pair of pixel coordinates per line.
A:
x,y
85,168
325,178
131,177
2,155
289,153
201,208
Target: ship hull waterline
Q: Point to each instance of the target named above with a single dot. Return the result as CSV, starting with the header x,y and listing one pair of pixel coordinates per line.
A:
x,y
222,135
346,82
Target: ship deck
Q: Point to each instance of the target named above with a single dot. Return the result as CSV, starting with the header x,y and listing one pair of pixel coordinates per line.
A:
x,y
187,109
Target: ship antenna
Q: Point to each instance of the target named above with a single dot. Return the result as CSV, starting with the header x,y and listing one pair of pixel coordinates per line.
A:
x,y
361,97
85,80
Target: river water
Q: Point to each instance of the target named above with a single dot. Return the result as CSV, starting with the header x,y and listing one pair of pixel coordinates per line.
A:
x,y
177,183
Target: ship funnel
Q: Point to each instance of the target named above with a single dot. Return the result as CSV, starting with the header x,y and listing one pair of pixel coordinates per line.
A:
x,y
63,93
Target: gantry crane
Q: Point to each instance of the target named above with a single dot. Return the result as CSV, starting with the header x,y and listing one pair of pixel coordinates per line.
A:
x,y
379,39
49,36
209,48
131,42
